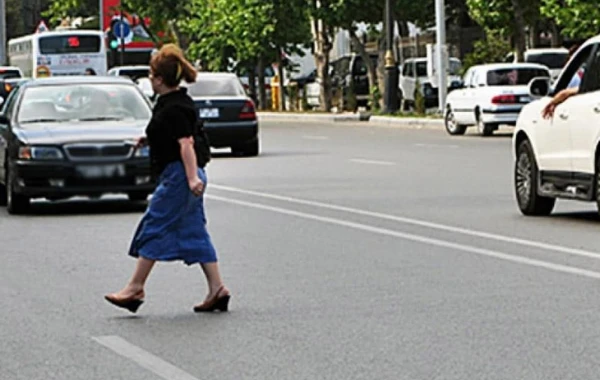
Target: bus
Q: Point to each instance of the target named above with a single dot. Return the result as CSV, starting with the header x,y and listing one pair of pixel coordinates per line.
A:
x,y
56,53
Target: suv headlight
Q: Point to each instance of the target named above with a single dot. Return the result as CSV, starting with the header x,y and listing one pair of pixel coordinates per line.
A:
x,y
40,153
143,151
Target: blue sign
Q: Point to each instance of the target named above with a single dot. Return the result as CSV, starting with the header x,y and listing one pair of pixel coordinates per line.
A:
x,y
121,29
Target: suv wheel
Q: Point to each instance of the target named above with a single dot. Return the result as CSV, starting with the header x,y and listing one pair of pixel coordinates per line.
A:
x,y
526,179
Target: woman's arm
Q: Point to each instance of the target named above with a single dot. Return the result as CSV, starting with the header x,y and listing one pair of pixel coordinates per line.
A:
x,y
188,156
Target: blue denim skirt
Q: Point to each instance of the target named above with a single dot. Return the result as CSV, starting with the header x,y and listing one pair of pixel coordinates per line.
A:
x,y
174,224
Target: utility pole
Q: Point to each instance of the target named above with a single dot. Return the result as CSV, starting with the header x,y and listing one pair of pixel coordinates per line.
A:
x,y
440,13
2,32
391,68
122,32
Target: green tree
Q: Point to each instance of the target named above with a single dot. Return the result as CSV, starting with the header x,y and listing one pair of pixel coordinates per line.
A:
x,y
578,18
60,9
510,17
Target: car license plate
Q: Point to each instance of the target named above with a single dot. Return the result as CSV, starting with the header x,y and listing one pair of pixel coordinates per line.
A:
x,y
101,171
209,113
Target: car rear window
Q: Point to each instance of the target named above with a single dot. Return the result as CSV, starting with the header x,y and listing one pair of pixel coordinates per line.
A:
x,y
550,60
514,77
216,86
9,73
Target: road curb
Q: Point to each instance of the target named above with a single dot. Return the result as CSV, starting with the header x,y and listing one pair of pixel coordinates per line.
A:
x,y
313,117
407,122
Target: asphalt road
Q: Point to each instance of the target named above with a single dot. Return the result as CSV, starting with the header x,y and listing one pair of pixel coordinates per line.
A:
x,y
352,251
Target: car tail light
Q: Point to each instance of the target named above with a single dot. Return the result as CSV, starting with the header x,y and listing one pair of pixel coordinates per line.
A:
x,y
248,112
504,99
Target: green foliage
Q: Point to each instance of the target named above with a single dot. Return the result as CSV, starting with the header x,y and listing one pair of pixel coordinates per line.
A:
x,y
59,9
578,18
493,49
375,99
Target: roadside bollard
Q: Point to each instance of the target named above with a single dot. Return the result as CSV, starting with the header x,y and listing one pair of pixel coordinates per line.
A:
x,y
275,93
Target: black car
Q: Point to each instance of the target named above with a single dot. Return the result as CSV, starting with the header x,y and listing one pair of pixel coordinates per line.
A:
x,y
67,136
228,113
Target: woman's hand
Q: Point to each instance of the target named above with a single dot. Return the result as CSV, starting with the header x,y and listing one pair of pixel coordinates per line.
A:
x,y
196,186
141,141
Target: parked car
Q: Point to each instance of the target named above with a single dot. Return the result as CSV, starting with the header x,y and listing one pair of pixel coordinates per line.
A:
x,y
559,157
492,95
132,72
68,136
553,58
415,70
228,113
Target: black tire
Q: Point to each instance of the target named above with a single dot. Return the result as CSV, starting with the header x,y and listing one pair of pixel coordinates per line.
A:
x,y
15,203
526,180
485,129
2,195
452,127
597,183
250,149
138,196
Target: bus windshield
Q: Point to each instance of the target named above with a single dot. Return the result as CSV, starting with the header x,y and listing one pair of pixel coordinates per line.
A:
x,y
69,44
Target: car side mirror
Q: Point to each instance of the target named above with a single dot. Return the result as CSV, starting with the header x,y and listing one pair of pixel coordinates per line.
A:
x,y
539,87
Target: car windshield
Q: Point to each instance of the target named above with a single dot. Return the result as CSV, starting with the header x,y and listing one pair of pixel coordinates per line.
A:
x,y
550,60
455,67
216,86
514,77
82,102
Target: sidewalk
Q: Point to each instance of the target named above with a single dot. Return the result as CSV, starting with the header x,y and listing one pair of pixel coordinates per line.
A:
x,y
412,122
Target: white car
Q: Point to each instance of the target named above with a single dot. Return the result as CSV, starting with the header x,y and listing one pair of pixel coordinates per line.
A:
x,y
492,95
133,72
553,58
559,157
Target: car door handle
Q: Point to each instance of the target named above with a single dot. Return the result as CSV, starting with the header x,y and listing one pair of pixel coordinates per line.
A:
x,y
563,115
597,109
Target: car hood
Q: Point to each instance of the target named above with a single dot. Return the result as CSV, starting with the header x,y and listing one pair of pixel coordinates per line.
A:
x,y
72,132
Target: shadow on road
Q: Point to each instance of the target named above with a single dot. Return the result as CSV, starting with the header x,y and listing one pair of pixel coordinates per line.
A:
x,y
582,216
86,207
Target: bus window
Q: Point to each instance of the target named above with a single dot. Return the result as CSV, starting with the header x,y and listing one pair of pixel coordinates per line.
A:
x,y
69,44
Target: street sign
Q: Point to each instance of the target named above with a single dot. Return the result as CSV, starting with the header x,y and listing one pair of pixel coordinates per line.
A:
x,y
121,29
42,27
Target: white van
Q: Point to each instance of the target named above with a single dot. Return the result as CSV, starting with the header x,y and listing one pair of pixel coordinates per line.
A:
x,y
553,58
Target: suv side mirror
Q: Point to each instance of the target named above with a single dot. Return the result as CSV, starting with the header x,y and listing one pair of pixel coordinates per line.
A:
x,y
539,87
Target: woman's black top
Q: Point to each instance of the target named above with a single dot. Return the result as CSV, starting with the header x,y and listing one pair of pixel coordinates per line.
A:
x,y
174,117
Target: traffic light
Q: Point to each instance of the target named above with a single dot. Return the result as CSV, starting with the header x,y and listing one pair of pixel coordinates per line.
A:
x,y
113,41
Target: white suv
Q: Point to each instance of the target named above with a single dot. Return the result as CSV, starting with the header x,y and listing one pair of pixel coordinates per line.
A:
x,y
559,157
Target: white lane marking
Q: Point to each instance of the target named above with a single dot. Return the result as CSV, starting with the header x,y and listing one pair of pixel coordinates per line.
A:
x,y
436,146
416,222
371,162
143,358
417,238
315,137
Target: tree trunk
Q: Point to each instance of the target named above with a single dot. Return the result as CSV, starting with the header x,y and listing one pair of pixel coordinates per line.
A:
x,y
371,69
322,51
252,81
519,34
381,71
262,94
556,37
282,106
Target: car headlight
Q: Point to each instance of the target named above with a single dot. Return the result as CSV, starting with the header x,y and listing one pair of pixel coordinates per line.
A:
x,y
40,153
143,151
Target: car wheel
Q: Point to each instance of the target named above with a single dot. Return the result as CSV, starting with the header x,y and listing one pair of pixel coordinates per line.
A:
x,y
485,129
2,195
15,203
249,149
138,196
526,179
452,127
597,180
